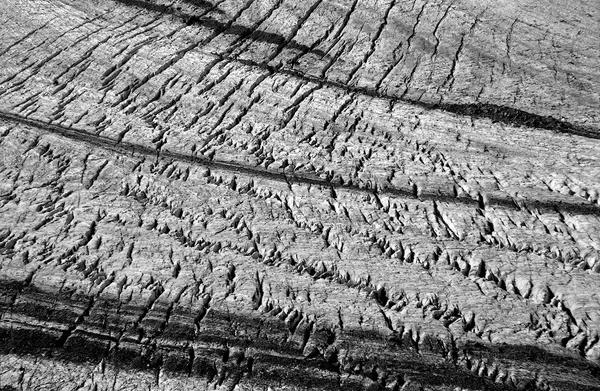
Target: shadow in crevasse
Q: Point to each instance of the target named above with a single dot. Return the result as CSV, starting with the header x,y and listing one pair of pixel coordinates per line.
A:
x,y
255,346
204,7
202,19
203,4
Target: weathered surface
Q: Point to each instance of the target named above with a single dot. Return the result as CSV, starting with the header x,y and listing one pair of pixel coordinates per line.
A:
x,y
299,195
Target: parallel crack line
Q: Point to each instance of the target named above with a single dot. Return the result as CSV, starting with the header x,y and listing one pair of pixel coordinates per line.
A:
x,y
283,176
